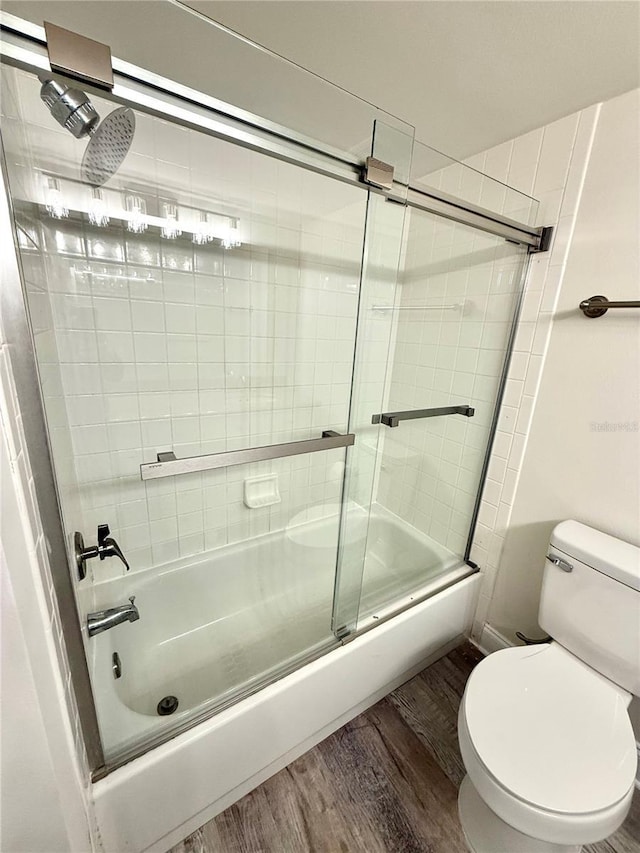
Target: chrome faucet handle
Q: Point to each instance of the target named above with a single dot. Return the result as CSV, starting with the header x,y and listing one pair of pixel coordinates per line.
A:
x,y
112,549
107,545
132,598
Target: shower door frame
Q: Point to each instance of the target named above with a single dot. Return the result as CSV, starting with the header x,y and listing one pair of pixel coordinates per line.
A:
x,y
23,44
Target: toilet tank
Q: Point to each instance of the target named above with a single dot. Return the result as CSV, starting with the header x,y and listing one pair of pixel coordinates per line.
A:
x,y
590,601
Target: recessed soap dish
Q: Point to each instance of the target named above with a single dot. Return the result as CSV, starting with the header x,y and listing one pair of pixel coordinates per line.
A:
x,y
261,491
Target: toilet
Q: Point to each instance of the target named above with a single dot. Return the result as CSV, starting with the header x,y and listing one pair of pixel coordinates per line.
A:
x,y
544,729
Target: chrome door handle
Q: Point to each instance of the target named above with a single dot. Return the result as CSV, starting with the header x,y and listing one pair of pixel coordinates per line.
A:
x,y
167,465
561,564
392,419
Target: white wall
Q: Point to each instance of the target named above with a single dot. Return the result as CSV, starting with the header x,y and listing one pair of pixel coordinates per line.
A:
x,y
582,458
44,781
28,779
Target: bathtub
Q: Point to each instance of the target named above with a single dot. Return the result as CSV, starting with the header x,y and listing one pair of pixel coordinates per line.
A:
x,y
244,631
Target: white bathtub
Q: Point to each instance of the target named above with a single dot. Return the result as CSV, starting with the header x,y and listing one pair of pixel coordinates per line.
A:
x,y
218,627
222,624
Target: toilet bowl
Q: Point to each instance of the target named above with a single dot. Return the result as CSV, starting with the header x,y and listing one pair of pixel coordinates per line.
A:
x,y
545,736
548,744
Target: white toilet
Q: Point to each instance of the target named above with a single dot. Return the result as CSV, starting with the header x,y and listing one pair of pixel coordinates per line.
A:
x,y
544,731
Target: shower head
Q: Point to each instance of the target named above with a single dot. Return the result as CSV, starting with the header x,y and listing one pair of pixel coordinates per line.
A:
x,y
108,146
109,141
70,107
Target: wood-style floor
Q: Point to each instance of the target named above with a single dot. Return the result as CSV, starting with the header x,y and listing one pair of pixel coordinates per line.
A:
x,y
387,782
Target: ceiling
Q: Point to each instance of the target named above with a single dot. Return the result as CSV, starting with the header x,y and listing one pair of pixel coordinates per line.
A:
x,y
468,74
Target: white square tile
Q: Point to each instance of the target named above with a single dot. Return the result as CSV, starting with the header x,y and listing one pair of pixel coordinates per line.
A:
x,y
182,348
156,433
152,377
181,319
147,316
124,435
121,407
557,145
115,346
150,347
112,315
117,378
154,405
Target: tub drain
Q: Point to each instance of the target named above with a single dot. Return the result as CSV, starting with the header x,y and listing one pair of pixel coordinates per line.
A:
x,y
167,705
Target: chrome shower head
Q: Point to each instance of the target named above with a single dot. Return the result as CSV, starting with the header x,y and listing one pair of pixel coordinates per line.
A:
x,y
108,146
70,107
109,141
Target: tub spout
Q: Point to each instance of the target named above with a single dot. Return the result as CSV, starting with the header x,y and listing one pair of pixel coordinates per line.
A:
x,y
102,620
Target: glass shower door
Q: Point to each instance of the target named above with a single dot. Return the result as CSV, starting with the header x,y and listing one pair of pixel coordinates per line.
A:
x,y
201,302
457,299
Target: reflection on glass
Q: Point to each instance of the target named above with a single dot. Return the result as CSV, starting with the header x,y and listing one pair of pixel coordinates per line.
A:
x,y
204,231
55,203
98,209
136,207
170,228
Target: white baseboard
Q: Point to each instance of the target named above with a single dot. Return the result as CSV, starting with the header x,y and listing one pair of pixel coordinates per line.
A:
x,y
492,640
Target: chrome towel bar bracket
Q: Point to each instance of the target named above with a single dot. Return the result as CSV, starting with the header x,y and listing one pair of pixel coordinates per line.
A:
x,y
392,419
596,306
167,465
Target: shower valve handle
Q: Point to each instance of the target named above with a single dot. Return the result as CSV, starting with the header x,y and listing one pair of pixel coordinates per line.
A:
x,y
107,545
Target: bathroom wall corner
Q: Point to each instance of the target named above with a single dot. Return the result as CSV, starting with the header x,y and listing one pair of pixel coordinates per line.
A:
x,y
559,163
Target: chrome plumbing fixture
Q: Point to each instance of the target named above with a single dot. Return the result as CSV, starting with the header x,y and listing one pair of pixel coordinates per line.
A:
x,y
102,620
109,140
70,107
167,706
106,547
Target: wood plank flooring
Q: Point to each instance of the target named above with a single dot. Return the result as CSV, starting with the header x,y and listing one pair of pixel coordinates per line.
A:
x,y
387,782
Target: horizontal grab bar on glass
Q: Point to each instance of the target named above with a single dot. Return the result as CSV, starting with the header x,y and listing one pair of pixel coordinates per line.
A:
x,y
392,419
454,306
168,466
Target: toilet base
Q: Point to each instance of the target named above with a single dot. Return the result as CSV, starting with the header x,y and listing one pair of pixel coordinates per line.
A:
x,y
485,832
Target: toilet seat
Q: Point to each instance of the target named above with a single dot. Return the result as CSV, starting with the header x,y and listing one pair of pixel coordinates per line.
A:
x,y
548,743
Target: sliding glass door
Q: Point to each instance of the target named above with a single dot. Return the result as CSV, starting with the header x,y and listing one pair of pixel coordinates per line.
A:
x,y
194,322
270,389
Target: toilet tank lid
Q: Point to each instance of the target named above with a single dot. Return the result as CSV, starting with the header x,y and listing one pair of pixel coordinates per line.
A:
x,y
613,557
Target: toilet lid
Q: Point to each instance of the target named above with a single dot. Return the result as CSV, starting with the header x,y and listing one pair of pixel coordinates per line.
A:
x,y
551,730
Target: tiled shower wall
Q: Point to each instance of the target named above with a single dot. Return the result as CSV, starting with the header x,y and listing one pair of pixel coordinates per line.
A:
x,y
549,163
140,376
457,293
